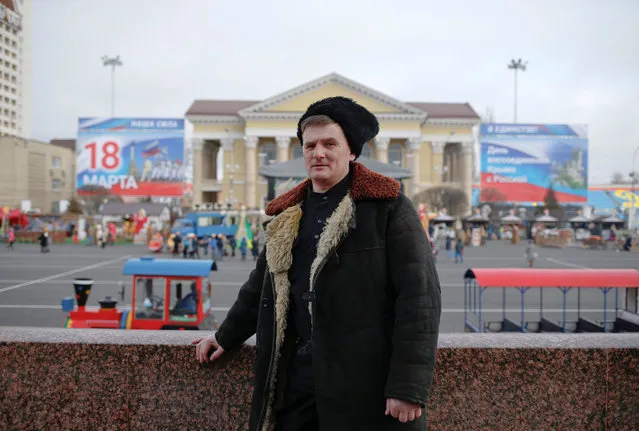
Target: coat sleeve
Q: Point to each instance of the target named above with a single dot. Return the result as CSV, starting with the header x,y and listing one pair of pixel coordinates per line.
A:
x,y
241,320
417,298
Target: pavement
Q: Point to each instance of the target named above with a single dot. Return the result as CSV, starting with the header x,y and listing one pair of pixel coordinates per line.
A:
x,y
32,284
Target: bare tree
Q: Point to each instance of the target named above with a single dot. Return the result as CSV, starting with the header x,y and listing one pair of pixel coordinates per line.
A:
x,y
551,204
95,196
75,207
451,198
489,115
619,178
492,195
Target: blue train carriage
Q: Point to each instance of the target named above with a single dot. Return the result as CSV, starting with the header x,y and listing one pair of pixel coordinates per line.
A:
x,y
166,294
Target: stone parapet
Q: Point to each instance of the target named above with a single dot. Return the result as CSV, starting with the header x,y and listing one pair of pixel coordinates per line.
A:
x,y
111,379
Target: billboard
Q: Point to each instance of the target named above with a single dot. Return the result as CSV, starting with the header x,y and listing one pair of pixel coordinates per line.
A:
x,y
520,161
131,156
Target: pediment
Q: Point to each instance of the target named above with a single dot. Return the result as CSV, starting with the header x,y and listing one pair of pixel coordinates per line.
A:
x,y
296,100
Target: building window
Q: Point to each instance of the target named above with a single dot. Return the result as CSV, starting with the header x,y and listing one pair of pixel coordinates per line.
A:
x,y
395,154
269,149
366,151
56,185
298,151
56,162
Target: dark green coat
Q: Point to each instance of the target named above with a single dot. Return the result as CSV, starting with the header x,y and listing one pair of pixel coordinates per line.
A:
x,y
375,315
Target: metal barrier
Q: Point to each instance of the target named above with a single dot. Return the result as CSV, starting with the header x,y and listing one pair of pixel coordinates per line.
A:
x,y
478,281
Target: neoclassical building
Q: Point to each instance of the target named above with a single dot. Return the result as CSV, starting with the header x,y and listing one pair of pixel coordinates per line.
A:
x,y
232,139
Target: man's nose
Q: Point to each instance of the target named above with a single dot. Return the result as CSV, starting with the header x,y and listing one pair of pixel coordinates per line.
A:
x,y
319,152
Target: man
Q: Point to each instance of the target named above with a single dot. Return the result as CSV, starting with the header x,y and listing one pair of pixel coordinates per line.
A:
x,y
344,300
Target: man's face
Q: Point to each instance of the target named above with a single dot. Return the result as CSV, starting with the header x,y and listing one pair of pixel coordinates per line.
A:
x,y
326,155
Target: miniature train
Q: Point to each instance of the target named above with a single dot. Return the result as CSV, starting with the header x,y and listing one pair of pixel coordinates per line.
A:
x,y
167,294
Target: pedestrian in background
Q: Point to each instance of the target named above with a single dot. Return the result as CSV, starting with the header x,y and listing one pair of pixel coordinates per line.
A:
x,y
186,242
459,251
11,238
243,247
531,254
233,244
44,242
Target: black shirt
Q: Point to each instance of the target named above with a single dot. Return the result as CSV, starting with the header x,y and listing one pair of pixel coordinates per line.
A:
x,y
317,208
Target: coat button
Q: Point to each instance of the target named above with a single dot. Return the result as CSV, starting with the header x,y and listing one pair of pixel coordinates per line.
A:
x,y
264,303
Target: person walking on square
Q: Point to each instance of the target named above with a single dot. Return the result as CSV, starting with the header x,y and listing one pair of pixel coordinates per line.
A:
x,y
186,243
459,251
44,242
213,246
233,244
11,239
177,241
220,247
344,300
255,250
531,254
243,247
194,249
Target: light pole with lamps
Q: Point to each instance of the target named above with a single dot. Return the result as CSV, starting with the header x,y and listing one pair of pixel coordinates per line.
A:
x,y
633,200
113,62
517,65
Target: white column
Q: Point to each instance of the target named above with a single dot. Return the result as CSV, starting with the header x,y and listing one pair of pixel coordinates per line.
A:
x,y
413,152
228,168
454,167
283,148
381,149
438,161
227,144
250,143
466,172
196,148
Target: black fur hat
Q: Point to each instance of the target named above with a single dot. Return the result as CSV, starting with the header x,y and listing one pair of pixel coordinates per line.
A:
x,y
358,123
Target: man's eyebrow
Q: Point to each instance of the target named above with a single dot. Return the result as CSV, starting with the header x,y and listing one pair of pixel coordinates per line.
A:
x,y
315,141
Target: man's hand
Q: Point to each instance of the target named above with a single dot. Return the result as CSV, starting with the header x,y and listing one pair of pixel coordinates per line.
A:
x,y
403,410
203,348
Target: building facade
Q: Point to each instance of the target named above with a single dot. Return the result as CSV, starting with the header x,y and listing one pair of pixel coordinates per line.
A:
x,y
15,68
39,172
232,139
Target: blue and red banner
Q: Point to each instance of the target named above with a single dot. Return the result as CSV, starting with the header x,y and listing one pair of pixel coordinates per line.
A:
x,y
131,156
519,162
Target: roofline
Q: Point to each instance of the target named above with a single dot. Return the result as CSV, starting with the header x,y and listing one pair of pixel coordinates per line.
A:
x,y
475,116
189,113
214,119
322,80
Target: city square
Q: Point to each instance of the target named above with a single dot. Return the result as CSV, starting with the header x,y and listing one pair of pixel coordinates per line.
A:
x,y
33,284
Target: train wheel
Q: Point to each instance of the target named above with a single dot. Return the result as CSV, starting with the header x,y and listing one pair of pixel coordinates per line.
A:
x,y
125,322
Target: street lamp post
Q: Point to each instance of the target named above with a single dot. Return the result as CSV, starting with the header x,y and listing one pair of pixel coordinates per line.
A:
x,y
633,200
517,65
113,62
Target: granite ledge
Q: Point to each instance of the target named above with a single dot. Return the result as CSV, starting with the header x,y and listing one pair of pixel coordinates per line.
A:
x,y
10,334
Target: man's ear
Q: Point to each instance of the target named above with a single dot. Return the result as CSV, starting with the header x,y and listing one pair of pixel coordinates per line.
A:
x,y
351,157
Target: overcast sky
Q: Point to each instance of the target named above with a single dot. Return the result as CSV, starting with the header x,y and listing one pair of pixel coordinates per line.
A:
x,y
583,58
